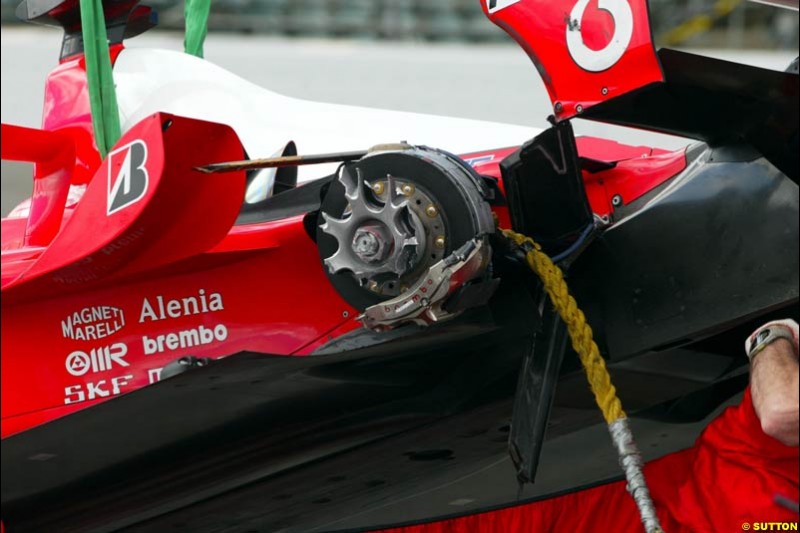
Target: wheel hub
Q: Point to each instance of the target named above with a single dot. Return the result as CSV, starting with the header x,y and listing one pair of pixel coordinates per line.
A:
x,y
381,235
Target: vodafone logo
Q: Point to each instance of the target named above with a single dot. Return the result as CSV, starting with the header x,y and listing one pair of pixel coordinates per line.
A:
x,y
607,57
127,175
79,363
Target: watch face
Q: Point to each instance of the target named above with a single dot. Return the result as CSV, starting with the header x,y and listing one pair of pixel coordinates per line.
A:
x,y
761,337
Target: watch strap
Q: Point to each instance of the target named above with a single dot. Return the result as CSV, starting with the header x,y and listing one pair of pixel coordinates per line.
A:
x,y
769,333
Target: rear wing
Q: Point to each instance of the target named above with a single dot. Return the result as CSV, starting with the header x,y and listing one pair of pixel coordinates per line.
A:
x,y
585,55
600,64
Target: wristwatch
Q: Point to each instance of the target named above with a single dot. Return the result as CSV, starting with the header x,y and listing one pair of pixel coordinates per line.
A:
x,y
769,333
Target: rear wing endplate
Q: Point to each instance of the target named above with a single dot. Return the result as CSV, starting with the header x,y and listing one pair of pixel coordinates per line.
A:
x,y
585,55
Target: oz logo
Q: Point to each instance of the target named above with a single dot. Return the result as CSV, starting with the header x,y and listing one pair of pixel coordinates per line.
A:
x,y
79,363
127,175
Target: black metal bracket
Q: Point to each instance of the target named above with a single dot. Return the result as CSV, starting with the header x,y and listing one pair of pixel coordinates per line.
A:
x,y
123,18
535,392
546,195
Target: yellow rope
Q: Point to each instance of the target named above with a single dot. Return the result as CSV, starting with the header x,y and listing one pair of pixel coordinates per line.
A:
x,y
596,372
579,331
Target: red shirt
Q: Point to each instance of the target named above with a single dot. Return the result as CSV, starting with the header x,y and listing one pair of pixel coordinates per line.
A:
x,y
728,478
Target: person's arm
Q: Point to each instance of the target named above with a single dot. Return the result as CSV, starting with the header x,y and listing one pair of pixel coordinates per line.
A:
x,y
775,388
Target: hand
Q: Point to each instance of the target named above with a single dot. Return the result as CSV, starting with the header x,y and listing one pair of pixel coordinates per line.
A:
x,y
775,390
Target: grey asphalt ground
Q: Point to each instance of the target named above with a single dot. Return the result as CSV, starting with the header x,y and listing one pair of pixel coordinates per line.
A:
x,y
492,82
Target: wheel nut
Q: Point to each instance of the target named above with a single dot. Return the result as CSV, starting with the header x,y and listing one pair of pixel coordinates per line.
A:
x,y
431,211
369,244
439,242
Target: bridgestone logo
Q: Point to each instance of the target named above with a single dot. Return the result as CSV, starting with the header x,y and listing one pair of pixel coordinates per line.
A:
x,y
188,338
127,175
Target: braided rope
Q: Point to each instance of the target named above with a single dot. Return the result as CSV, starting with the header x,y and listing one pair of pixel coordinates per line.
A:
x,y
605,393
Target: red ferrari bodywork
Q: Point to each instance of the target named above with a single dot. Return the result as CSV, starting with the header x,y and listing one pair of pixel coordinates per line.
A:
x,y
148,266
113,298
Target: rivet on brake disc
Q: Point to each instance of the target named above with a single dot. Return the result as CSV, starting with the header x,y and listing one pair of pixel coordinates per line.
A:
x,y
378,187
439,242
431,211
407,189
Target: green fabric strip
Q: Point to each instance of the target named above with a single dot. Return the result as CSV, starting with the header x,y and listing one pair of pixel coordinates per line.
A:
x,y
196,14
102,94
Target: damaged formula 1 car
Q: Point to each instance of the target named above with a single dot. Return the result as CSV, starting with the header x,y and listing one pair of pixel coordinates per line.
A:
x,y
191,344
